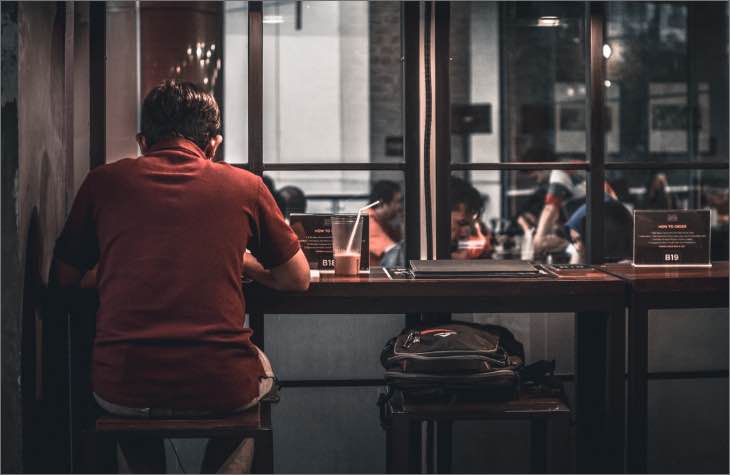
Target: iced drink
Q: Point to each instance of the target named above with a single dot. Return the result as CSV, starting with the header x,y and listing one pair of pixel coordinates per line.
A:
x,y
347,264
346,243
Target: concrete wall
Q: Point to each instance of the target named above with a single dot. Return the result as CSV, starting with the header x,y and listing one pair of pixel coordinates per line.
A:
x,y
34,181
12,260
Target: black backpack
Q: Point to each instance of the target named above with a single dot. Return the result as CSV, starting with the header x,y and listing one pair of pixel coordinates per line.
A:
x,y
453,361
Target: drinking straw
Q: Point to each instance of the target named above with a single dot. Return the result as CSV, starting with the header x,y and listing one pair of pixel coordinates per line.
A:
x,y
357,221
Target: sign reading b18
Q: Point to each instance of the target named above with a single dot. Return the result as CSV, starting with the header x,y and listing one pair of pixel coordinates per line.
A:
x,y
672,238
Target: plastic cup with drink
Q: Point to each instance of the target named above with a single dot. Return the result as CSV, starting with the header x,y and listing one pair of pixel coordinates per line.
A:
x,y
347,241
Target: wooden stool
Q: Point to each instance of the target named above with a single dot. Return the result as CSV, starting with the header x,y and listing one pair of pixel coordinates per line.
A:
x,y
98,454
403,433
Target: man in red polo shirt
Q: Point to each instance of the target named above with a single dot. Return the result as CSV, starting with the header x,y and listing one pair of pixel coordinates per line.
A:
x,y
166,234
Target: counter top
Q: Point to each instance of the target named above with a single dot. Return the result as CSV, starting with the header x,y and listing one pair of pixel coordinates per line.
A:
x,y
673,279
378,293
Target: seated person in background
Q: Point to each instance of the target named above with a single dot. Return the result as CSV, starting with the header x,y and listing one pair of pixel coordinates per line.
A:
x,y
169,231
269,182
291,200
384,219
657,196
566,191
470,238
528,213
618,231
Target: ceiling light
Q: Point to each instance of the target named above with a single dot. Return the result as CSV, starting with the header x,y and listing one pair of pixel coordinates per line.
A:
x,y
273,19
548,21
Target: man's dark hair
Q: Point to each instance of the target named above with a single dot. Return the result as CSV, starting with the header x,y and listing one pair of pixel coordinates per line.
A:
x,y
384,190
462,192
180,109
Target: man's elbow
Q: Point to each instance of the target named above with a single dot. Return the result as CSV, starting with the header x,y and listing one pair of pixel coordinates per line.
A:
x,y
302,283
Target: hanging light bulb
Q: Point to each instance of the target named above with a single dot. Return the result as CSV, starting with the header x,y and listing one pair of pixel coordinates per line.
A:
x,y
607,51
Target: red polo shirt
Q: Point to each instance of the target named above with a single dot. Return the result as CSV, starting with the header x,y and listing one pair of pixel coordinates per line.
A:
x,y
168,230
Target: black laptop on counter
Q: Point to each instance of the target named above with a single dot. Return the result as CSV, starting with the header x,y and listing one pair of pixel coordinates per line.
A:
x,y
440,269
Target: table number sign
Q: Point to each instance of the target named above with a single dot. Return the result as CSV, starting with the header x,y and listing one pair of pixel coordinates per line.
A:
x,y
314,232
672,238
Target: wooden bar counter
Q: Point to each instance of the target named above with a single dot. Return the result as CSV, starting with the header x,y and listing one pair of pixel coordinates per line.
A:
x,y
595,296
658,288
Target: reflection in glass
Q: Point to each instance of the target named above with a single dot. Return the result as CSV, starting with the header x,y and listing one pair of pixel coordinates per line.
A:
x,y
517,65
183,41
332,82
669,65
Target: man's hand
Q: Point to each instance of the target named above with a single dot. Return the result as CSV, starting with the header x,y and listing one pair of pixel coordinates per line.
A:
x,y
293,275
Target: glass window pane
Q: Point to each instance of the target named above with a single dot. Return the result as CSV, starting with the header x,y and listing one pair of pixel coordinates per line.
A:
x,y
332,82
235,74
518,66
347,192
153,41
657,54
677,189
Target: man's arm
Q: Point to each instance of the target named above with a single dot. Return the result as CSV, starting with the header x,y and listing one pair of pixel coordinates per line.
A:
x,y
548,218
69,276
293,275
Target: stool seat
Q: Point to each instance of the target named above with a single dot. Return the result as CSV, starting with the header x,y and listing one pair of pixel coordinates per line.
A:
x,y
98,452
513,409
243,423
547,414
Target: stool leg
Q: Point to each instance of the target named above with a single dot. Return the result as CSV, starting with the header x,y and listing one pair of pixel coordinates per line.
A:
x,y
97,454
538,445
558,445
263,454
443,445
143,454
403,445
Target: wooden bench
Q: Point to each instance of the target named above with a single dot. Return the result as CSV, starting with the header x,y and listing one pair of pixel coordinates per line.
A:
x,y
98,452
403,433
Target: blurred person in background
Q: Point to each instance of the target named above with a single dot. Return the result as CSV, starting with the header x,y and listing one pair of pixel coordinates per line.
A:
x,y
385,219
618,230
657,194
291,199
470,238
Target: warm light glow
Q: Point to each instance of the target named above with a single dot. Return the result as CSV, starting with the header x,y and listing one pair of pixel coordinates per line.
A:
x,y
207,55
571,92
548,21
198,52
177,69
607,83
273,19
205,80
202,63
190,50
606,51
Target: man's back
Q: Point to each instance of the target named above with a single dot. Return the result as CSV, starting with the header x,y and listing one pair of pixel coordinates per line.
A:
x,y
171,228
